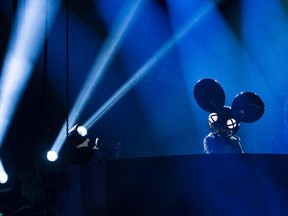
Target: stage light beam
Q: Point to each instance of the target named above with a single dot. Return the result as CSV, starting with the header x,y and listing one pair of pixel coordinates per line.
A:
x,y
148,66
26,41
103,60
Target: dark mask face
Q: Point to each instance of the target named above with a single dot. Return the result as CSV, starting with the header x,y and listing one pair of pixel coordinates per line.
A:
x,y
222,123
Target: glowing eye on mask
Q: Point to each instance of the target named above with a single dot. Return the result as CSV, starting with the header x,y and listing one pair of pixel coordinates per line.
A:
x,y
231,123
213,117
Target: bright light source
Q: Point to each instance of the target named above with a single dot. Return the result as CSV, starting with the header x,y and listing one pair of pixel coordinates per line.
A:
x,y
82,130
3,174
52,156
3,177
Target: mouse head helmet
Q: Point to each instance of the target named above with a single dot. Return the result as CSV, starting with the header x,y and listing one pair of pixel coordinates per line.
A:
x,y
225,120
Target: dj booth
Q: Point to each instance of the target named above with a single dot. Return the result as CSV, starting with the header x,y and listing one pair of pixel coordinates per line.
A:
x,y
248,184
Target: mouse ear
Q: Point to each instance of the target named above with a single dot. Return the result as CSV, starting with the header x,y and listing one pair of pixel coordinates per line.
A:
x,y
209,95
247,107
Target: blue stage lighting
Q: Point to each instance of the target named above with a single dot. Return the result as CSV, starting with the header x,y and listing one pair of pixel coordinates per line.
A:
x,y
25,44
107,52
267,66
148,66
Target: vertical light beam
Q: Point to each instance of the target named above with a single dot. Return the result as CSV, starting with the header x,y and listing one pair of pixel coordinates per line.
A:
x,y
107,52
148,66
26,41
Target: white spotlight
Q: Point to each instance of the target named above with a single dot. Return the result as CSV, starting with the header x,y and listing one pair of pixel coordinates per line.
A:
x,y
3,177
82,131
52,156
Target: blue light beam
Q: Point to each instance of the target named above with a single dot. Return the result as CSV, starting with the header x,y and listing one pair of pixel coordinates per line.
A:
x,y
148,66
103,60
26,41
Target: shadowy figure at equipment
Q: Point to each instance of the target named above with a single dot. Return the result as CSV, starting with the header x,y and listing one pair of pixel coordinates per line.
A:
x,y
224,121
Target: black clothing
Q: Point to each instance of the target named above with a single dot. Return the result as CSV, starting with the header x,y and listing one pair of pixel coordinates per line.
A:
x,y
216,144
